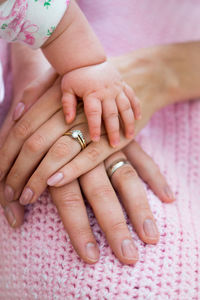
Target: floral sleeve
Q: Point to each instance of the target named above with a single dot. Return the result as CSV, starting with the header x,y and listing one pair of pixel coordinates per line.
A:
x,y
30,21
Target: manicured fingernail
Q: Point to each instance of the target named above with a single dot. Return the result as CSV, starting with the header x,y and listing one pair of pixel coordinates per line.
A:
x,y
129,250
9,216
169,193
26,196
92,251
150,228
55,179
9,193
1,175
18,111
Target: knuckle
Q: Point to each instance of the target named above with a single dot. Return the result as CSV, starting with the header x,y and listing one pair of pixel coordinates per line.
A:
x,y
141,206
116,227
125,107
93,154
102,192
60,150
13,176
113,131
111,115
93,113
70,200
153,171
22,129
35,143
28,91
82,232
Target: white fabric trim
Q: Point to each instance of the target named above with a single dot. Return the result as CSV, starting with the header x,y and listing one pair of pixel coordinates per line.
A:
x,y
30,21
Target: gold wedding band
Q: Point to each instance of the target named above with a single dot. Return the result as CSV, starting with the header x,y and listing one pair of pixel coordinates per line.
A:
x,y
78,136
116,165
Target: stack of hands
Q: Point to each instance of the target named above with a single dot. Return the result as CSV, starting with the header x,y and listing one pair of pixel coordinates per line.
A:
x,y
33,149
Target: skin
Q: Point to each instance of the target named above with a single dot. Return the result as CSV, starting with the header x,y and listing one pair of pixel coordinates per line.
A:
x,y
116,229
88,74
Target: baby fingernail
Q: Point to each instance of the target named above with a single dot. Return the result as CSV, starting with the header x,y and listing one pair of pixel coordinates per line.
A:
x,y
150,229
130,135
92,251
96,138
26,196
9,216
115,143
169,193
129,250
55,179
9,193
18,111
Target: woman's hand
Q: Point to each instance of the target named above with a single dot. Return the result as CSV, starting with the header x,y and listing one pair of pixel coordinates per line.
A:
x,y
100,194
30,138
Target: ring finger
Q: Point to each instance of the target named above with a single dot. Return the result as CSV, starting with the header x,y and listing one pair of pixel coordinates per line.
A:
x,y
32,152
60,153
107,209
131,190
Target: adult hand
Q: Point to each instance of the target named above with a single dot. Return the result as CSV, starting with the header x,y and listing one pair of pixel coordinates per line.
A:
x,y
32,131
117,246
99,191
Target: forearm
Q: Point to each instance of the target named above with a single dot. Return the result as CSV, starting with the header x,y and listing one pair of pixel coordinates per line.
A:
x,y
171,73
73,44
184,63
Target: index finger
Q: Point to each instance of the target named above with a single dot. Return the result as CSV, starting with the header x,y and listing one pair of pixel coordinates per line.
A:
x,y
86,160
48,104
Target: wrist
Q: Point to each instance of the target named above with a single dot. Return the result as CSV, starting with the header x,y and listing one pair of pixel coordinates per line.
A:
x,y
181,66
73,44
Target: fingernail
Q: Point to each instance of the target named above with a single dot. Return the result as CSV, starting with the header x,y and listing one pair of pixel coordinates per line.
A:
x,y
26,196
9,216
169,193
129,250
96,138
130,135
18,111
55,179
92,251
1,175
150,229
9,193
115,143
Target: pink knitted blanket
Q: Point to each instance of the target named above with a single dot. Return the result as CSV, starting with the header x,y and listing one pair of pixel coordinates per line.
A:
x,y
37,261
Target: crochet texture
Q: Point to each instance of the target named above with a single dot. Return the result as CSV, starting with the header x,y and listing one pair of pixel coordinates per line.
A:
x,y
37,260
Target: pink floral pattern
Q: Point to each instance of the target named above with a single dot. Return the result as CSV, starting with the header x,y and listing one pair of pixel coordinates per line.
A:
x,y
20,20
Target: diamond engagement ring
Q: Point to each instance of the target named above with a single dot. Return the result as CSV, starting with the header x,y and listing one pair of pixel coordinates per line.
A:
x,y
78,136
116,165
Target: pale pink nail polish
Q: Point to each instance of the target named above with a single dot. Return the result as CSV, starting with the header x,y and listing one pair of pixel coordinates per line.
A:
x,y
169,193
129,250
53,180
9,216
9,193
150,229
92,251
18,111
26,196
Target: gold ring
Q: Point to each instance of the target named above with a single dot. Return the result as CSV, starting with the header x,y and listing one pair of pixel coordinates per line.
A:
x,y
116,165
78,136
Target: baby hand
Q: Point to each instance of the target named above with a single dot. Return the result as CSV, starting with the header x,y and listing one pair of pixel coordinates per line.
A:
x,y
105,95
